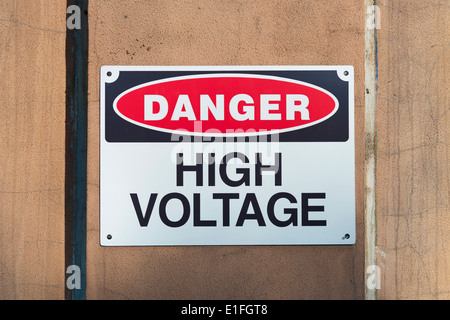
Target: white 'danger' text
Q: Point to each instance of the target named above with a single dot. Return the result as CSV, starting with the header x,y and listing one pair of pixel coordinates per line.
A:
x,y
269,104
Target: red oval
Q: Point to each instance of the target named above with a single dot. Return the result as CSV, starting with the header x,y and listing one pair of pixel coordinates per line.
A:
x,y
284,114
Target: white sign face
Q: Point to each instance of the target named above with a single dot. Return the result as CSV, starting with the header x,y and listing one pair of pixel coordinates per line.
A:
x,y
227,155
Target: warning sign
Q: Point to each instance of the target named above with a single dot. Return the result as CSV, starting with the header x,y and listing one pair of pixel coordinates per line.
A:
x,y
227,155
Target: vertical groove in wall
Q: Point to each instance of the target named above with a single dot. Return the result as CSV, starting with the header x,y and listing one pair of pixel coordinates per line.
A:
x,y
76,149
371,75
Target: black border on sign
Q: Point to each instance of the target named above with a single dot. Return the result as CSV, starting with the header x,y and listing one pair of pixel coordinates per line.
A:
x,y
334,129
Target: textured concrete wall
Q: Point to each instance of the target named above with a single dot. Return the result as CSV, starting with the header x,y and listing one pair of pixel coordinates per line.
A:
x,y
208,32
32,104
413,159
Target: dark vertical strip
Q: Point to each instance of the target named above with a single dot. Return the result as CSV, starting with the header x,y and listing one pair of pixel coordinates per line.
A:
x,y
76,148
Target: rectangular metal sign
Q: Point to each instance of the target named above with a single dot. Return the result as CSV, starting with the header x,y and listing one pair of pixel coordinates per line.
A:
x,y
227,155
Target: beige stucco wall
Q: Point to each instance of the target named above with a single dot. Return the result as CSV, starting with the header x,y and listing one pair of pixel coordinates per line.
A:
x,y
413,134
207,32
32,104
412,157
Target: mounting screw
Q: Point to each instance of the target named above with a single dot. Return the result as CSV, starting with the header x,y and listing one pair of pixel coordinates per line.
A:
x,y
346,236
109,73
345,73
109,237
